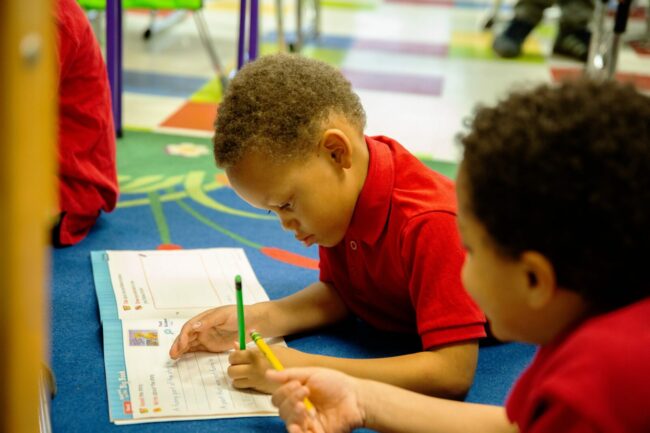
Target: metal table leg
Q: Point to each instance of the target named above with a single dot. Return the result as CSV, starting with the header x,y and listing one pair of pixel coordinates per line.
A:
x,y
114,59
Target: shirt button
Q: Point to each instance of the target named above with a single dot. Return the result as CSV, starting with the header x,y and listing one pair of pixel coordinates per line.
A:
x,y
353,245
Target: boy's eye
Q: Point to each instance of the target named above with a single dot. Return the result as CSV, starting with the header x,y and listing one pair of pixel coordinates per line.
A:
x,y
285,207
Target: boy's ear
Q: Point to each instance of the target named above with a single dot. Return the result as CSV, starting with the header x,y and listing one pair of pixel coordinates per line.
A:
x,y
336,145
541,283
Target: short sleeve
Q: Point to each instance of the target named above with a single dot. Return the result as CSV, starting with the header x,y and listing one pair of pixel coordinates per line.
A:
x,y
433,257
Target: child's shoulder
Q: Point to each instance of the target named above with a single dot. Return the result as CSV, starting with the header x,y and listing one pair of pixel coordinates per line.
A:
x,y
610,342
416,188
597,376
619,324
405,160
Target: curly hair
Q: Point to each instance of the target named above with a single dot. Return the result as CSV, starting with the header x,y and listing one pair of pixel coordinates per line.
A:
x,y
565,170
277,105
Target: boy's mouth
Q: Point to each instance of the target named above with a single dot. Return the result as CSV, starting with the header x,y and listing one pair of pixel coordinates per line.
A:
x,y
307,240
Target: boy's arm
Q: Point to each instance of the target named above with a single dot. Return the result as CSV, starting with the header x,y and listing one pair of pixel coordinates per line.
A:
x,y
402,411
444,372
314,306
343,403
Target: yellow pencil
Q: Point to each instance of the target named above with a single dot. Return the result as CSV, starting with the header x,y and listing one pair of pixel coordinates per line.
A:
x,y
275,362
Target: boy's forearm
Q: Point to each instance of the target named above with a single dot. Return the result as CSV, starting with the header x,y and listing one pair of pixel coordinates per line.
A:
x,y
447,373
391,409
314,306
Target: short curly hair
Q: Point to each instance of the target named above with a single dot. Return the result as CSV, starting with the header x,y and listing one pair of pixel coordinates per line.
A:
x,y
277,105
565,170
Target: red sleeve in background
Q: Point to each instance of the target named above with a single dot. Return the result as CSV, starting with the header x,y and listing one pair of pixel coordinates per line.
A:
x,y
86,139
444,310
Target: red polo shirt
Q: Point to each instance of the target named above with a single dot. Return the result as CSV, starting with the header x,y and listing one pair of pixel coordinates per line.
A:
x,y
87,167
398,266
595,379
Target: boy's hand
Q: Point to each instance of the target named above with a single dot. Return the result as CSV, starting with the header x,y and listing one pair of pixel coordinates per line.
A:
x,y
334,395
211,331
248,367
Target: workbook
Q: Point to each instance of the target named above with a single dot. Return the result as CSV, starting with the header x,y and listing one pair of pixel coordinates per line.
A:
x,y
144,299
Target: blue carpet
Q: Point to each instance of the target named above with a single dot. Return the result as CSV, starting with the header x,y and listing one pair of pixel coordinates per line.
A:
x,y
170,211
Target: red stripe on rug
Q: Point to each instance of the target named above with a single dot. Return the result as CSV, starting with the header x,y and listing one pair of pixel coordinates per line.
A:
x,y
290,258
641,82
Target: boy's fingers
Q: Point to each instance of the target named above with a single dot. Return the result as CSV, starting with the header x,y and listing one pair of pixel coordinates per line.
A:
x,y
285,393
192,325
238,371
182,339
301,374
242,383
292,408
179,346
277,376
239,357
173,351
197,347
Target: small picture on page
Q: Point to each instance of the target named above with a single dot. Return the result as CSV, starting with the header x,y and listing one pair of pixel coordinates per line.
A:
x,y
143,337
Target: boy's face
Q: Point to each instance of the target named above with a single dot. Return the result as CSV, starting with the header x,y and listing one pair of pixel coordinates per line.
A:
x,y
495,282
314,197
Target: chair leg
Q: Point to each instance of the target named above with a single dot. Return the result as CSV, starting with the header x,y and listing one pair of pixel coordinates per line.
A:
x,y
312,32
317,19
282,44
599,47
493,16
620,25
152,21
204,35
299,34
157,25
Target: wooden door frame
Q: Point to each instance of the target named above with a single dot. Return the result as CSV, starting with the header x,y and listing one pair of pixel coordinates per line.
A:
x,y
27,204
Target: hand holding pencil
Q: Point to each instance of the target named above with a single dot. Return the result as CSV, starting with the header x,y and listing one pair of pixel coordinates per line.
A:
x,y
339,399
275,362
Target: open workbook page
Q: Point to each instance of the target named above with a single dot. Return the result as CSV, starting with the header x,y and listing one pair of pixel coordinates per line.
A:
x,y
145,297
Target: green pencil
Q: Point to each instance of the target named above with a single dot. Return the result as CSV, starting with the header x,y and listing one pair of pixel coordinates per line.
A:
x,y
240,313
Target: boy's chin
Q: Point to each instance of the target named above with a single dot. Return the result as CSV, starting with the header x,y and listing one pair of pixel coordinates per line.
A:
x,y
327,244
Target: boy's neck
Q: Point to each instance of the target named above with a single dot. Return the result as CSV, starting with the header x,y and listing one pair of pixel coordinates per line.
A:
x,y
560,317
362,163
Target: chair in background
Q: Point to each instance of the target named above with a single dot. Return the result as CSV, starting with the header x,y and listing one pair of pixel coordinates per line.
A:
x,y
312,31
605,41
180,9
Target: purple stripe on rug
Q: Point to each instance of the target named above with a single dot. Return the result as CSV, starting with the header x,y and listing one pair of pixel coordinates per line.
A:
x,y
436,50
398,83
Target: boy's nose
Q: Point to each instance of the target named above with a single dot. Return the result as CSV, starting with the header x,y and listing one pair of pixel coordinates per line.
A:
x,y
289,223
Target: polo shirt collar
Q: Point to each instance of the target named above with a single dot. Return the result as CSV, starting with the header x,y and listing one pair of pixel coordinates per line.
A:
x,y
371,211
